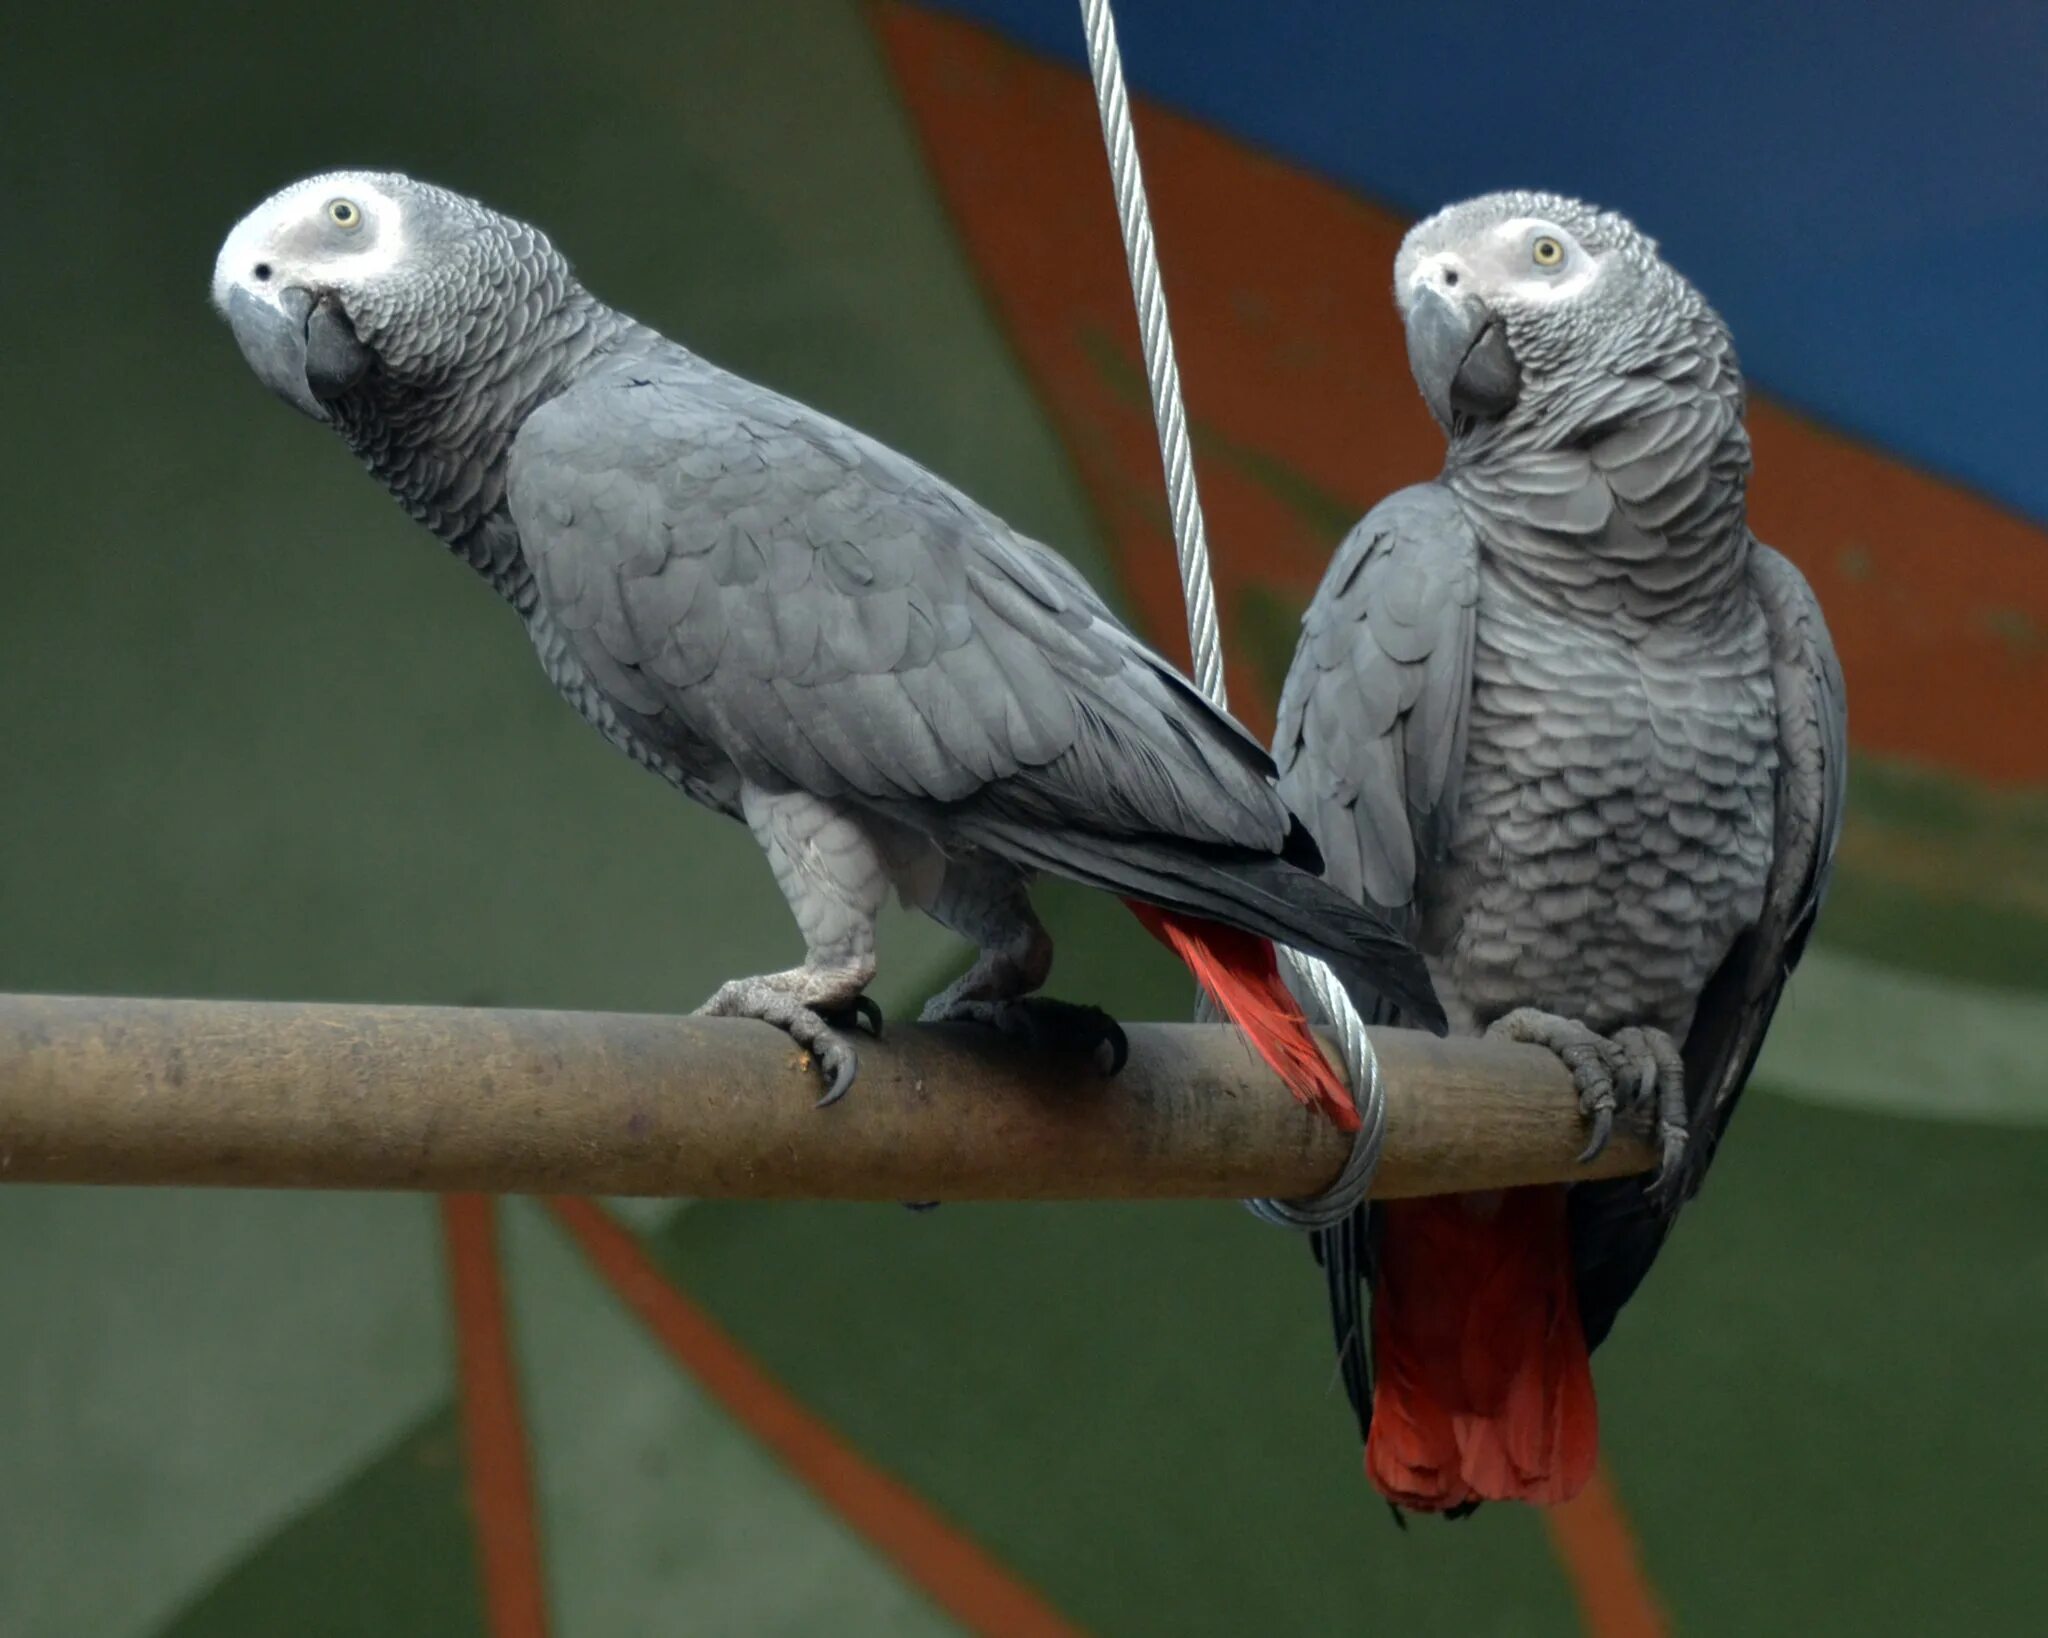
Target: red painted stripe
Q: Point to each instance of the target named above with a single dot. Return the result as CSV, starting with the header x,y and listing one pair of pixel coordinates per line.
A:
x,y
501,1499
952,1569
1592,1539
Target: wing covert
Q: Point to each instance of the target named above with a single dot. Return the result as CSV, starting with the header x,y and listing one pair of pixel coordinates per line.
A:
x,y
1372,720
835,618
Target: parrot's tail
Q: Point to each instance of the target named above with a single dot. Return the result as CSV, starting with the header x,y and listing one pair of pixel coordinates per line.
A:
x,y
1242,975
1485,1391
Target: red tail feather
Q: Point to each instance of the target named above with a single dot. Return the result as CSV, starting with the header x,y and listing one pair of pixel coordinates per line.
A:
x,y
1485,1392
1241,973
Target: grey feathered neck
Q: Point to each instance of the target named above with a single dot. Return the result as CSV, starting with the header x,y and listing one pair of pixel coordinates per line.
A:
x,y
1629,494
1619,479
464,357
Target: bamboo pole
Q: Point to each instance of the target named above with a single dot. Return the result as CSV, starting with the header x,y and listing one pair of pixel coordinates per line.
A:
x,y
275,1095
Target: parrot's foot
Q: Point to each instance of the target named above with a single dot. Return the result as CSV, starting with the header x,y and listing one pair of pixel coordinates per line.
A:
x,y
1635,1068
1655,1075
799,1002
1593,1060
1040,1021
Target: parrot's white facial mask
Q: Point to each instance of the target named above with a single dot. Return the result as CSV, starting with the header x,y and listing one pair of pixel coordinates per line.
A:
x,y
331,230
285,276
1526,260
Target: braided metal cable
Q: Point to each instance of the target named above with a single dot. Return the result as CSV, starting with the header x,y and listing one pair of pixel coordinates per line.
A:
x,y
1205,638
1169,411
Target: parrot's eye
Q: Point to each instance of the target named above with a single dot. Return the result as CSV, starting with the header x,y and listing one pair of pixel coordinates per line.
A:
x,y
343,213
1547,252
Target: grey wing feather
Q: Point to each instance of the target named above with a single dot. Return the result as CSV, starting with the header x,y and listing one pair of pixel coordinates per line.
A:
x,y
1813,770
1618,1227
831,616
1370,743
1372,720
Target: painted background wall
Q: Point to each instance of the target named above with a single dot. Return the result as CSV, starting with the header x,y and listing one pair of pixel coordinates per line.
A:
x,y
261,738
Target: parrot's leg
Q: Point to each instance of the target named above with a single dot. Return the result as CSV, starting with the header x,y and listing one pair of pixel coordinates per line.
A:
x,y
1658,1076
1592,1058
992,906
833,876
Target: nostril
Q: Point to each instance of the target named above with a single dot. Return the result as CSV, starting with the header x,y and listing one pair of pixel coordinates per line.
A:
x,y
262,272
1450,278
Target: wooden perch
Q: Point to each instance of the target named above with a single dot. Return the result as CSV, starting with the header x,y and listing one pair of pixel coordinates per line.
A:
x,y
269,1095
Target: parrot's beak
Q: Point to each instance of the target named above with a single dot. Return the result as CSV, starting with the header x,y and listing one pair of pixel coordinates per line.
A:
x,y
1459,352
302,348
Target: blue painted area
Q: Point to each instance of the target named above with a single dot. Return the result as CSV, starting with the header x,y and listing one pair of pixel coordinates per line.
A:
x,y
1862,188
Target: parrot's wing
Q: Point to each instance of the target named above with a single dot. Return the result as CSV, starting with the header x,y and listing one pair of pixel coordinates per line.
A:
x,y
1371,734
744,573
1370,743
1617,1227
1813,767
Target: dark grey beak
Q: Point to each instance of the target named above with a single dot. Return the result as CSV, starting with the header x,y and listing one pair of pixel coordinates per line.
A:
x,y
274,343
1459,352
304,349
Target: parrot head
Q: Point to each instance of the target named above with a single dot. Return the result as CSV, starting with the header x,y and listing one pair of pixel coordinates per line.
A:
x,y
1514,302
355,274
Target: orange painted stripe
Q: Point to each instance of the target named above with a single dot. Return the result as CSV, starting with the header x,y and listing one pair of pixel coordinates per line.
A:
x,y
1592,1539
501,1499
1305,416
952,1569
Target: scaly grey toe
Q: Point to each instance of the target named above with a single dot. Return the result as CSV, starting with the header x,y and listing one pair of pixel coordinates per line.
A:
x,y
771,1003
1594,1062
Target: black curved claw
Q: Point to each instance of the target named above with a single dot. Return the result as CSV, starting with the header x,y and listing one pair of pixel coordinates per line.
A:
x,y
1068,1026
842,1077
1603,1128
1041,1022
1670,1161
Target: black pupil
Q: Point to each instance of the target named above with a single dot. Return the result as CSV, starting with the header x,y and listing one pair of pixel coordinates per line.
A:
x,y
262,271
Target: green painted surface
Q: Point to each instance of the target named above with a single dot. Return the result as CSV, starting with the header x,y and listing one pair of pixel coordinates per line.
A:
x,y
659,1514
186,1372
1853,1032
1134,1404
1824,1406
387,1550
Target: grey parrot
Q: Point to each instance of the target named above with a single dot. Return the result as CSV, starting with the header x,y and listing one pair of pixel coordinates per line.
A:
x,y
1568,722
799,628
